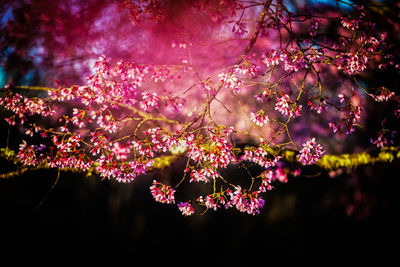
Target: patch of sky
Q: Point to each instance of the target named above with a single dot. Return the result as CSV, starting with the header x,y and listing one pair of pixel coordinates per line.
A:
x,y
36,53
342,4
6,53
3,77
27,79
8,15
362,84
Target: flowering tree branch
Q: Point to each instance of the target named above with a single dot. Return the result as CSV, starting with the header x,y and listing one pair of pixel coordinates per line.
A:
x,y
328,162
293,83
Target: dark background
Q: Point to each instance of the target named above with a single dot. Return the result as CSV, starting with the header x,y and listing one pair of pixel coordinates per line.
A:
x,y
85,221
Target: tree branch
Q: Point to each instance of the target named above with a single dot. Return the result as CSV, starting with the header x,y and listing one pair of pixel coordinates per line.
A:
x,y
260,22
328,162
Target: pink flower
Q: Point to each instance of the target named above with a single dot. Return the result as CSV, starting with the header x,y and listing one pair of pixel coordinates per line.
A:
x,y
246,68
246,202
272,58
333,126
384,138
311,152
264,95
384,95
353,63
259,118
349,23
219,150
203,175
162,193
261,157
318,108
186,208
27,154
149,100
380,142
230,80
281,175
102,66
352,117
120,152
313,28
342,98
283,105
10,120
267,178
211,201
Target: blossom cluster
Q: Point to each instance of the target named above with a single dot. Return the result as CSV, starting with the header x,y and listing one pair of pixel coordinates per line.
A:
x,y
216,151
230,80
27,154
353,22
259,118
213,201
247,68
203,175
384,95
121,85
162,193
261,157
266,178
186,208
321,106
107,167
311,152
245,201
351,115
384,138
293,60
23,106
353,63
287,107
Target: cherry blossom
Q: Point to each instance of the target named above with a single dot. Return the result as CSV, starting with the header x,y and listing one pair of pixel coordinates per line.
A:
x,y
239,28
121,152
259,118
186,208
321,106
280,175
353,63
203,175
162,193
260,156
23,106
287,107
231,81
380,141
385,137
211,201
149,100
273,58
267,177
313,28
311,152
247,202
349,23
384,95
27,154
